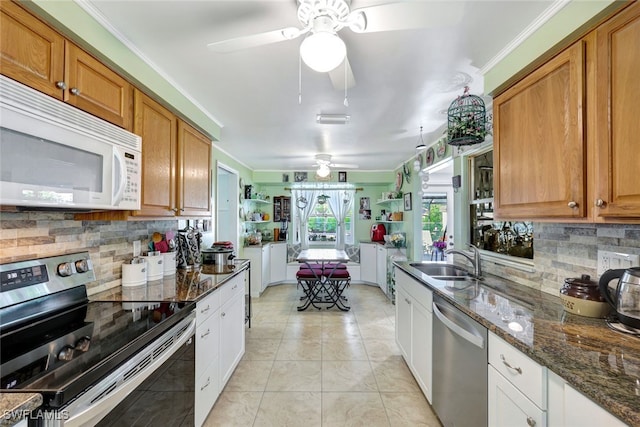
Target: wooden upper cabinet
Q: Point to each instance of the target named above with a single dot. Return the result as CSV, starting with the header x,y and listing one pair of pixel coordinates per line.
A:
x,y
194,180
30,52
540,142
96,89
617,187
36,55
158,128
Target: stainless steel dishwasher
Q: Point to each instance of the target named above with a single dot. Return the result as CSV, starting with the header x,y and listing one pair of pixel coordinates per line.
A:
x,y
459,367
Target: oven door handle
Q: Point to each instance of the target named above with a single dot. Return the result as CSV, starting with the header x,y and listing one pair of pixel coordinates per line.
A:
x,y
99,400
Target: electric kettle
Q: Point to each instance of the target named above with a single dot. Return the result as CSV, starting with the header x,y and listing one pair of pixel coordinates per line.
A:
x,y
626,302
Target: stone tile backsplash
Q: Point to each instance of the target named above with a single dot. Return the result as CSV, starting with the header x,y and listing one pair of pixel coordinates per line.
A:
x,y
26,235
561,250
569,250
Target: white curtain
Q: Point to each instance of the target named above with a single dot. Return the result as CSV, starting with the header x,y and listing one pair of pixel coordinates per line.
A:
x,y
341,202
303,211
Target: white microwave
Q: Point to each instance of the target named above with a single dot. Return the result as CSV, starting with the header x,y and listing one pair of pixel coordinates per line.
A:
x,y
53,155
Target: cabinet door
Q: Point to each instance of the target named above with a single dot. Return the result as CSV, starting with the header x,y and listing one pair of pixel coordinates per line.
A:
x,y
381,268
207,390
618,109
266,267
158,128
31,52
540,142
403,323
194,179
231,336
368,257
278,263
96,89
421,334
508,407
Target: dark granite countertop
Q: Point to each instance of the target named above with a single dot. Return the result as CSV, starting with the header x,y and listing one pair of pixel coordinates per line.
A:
x,y
15,406
602,363
185,285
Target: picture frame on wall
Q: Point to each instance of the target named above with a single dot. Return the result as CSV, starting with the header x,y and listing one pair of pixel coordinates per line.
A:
x,y
407,202
342,176
285,177
300,176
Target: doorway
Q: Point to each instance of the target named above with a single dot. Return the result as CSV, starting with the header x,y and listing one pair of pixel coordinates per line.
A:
x,y
437,212
227,205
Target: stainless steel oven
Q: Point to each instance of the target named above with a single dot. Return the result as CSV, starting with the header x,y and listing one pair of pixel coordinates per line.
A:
x,y
106,363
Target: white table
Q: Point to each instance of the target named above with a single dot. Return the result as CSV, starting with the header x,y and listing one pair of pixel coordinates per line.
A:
x,y
323,287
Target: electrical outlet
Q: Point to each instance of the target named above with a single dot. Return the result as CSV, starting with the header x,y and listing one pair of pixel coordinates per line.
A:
x,y
136,248
612,260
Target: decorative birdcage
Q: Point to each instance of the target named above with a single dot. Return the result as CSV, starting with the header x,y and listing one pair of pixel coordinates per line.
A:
x,y
466,120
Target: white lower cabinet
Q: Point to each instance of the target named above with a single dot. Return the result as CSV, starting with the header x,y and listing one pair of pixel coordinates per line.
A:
x,y
508,407
268,265
517,387
368,261
414,328
220,330
570,408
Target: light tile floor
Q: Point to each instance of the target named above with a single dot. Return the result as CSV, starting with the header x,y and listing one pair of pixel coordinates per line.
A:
x,y
322,368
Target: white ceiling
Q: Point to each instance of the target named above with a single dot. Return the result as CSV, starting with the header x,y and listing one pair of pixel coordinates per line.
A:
x,y
403,79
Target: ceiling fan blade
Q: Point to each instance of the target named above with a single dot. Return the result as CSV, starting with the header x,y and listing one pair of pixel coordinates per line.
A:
x,y
344,166
260,39
409,15
337,76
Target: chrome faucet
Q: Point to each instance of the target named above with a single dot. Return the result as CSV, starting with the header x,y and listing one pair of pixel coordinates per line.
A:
x,y
475,260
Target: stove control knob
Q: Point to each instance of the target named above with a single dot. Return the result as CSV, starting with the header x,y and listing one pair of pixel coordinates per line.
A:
x,y
82,266
65,269
83,344
66,353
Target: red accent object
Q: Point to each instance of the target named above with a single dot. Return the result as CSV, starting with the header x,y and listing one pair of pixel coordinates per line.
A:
x,y
377,232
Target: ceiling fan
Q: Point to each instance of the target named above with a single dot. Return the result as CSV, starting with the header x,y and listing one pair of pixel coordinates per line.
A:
x,y
323,162
322,49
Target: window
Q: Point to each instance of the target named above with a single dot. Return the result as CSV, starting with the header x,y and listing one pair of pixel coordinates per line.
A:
x,y
323,226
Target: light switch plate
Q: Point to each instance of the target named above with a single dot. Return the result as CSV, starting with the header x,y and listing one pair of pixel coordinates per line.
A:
x,y
608,260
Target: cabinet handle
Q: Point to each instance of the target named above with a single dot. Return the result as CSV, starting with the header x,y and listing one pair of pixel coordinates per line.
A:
x,y
61,85
572,204
517,369
206,384
74,91
531,422
205,334
204,310
600,203
224,314
408,301
235,286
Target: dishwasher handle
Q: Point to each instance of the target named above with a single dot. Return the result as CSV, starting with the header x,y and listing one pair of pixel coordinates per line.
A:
x,y
467,331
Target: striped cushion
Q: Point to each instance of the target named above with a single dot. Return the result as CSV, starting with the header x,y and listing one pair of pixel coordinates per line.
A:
x,y
314,265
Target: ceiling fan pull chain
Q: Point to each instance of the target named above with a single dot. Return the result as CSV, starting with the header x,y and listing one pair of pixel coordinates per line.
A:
x,y
346,101
299,79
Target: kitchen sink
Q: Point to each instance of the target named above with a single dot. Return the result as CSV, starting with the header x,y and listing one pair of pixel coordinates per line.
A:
x,y
443,271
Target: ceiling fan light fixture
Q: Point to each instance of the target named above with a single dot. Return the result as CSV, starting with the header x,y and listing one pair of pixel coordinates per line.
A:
x,y
323,171
323,51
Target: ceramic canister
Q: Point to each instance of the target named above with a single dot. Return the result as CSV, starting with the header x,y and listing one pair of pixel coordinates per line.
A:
x,y
134,272
155,269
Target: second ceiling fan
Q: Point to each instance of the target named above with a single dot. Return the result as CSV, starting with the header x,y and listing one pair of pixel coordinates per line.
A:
x,y
323,50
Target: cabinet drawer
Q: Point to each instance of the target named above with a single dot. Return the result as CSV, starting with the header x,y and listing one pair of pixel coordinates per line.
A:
x,y
528,376
411,286
231,288
207,342
509,407
207,306
206,392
